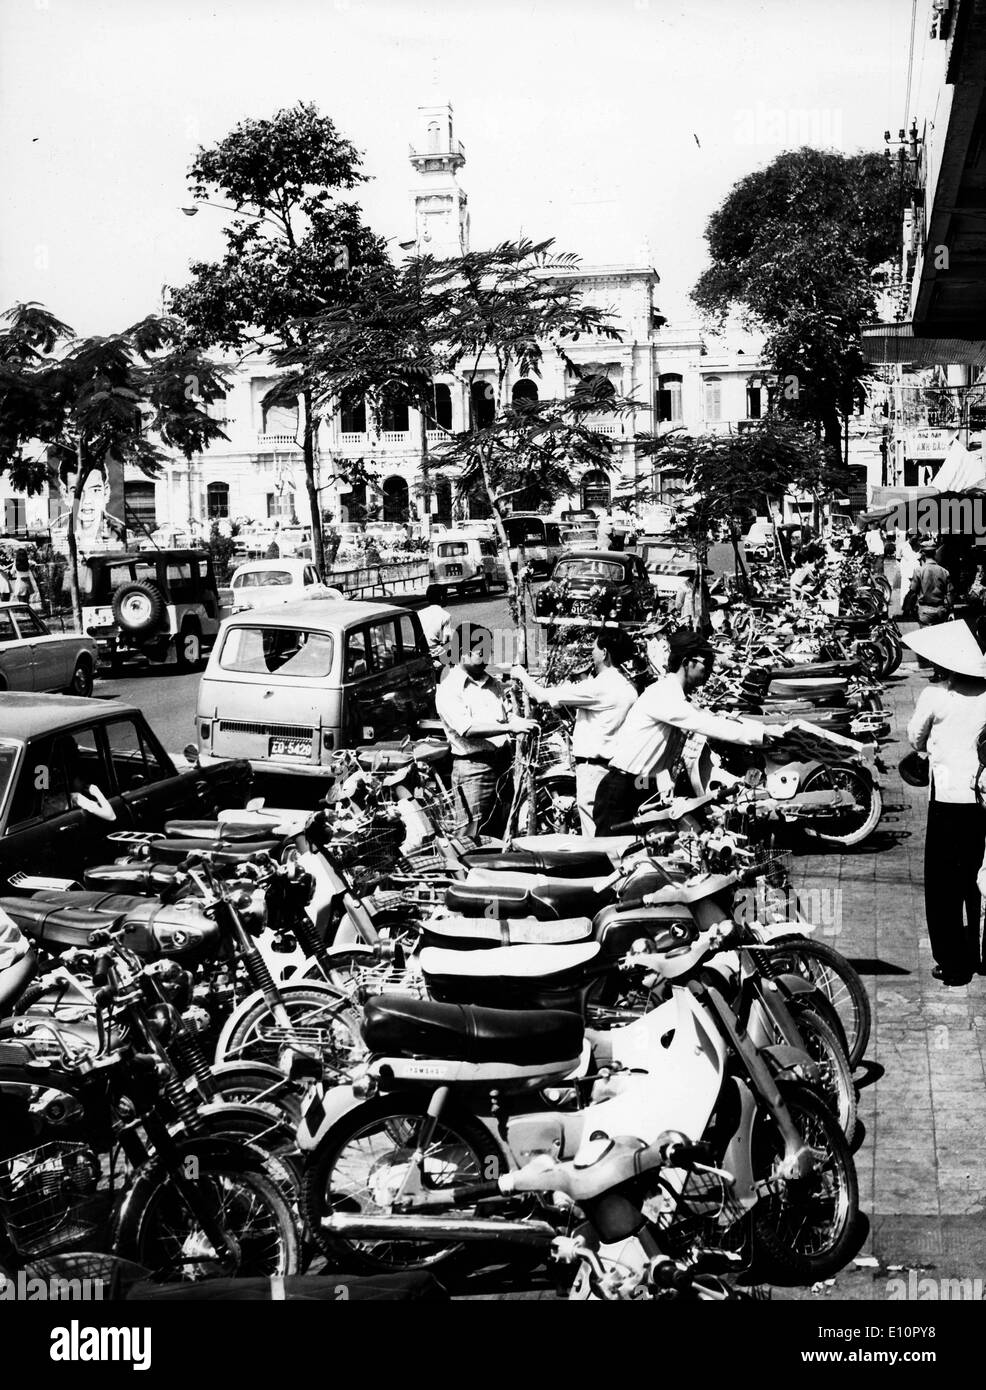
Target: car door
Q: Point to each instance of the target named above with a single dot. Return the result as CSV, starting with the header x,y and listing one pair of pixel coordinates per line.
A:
x,y
16,657
49,654
145,780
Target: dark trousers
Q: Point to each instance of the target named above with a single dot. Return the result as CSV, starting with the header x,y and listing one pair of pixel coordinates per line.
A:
x,y
953,853
619,796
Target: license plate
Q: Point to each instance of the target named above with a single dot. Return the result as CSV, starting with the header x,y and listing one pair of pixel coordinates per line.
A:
x,y
290,748
453,571
580,608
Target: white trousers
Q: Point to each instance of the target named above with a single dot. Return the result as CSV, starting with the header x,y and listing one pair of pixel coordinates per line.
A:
x,y
587,779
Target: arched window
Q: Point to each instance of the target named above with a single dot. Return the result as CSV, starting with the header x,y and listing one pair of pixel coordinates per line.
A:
x,y
353,503
442,409
669,397
393,416
598,388
712,386
596,491
352,413
434,137
443,501
395,503
139,506
483,404
525,392
217,501
754,398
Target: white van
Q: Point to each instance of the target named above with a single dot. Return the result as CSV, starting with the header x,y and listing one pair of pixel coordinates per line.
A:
x,y
461,561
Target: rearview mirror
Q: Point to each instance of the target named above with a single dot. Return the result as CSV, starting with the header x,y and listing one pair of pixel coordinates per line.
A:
x,y
191,753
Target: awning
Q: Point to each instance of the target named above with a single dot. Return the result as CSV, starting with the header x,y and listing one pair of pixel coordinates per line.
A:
x,y
963,469
895,343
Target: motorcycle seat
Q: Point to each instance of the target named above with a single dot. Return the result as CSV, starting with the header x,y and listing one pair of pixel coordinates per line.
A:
x,y
555,863
382,759
613,846
15,978
226,851
556,966
399,1025
469,933
546,900
216,831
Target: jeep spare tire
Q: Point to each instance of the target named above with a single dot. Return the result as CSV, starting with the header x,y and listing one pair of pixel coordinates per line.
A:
x,y
138,606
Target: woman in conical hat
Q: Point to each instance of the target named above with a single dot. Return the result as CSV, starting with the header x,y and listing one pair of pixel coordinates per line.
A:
x,y
947,723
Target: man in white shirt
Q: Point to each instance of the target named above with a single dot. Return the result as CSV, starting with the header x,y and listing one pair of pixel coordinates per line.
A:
x,y
876,548
644,752
472,707
601,704
436,624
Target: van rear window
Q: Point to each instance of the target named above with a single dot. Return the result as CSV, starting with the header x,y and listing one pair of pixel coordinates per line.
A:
x,y
447,548
289,651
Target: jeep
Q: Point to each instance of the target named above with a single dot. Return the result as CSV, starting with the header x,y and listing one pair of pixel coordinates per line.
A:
x,y
161,605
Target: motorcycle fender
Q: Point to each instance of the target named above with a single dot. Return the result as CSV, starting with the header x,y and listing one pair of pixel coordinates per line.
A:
x,y
322,1108
791,985
738,1158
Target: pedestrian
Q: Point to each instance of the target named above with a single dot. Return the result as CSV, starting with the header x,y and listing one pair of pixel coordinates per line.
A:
x,y
646,749
601,704
472,707
948,722
930,596
908,558
876,548
23,586
436,623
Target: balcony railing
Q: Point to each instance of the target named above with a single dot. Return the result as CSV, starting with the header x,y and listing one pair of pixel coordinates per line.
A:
x,y
277,441
353,440
395,436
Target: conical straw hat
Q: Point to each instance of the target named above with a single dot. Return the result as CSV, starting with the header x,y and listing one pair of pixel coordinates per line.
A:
x,y
951,646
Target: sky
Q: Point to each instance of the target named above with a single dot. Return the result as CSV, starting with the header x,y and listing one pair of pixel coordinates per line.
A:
x,y
614,126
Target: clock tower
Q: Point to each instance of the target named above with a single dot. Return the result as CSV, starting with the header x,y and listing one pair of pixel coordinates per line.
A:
x,y
441,219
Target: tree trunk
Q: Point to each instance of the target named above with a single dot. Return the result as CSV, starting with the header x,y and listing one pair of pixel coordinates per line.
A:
x,y
425,490
311,485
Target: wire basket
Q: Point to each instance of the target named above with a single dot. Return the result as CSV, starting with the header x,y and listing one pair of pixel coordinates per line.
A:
x,y
774,866
700,1213
49,1197
370,856
447,810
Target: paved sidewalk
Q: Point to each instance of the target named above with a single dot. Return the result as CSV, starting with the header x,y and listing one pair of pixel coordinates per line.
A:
x,y
922,1161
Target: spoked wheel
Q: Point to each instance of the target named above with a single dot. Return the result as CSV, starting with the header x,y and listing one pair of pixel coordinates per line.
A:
x,y
370,1161
825,1049
831,973
803,1228
320,1018
851,826
159,1231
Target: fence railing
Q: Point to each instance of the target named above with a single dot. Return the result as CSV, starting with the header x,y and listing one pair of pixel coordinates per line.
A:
x,y
404,577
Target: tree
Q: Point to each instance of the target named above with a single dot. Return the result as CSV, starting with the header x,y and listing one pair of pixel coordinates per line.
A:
x,y
292,253
793,247
498,311
81,403
726,475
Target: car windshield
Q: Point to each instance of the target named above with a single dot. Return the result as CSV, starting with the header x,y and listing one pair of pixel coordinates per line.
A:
x,y
288,651
8,761
589,569
260,579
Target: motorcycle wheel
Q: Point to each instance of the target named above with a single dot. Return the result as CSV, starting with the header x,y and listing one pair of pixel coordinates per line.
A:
x,y
835,1085
803,1229
831,973
855,826
261,1125
243,1083
348,1173
319,1015
158,1231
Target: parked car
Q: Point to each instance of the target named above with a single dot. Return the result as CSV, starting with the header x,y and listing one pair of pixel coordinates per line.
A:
x,y
759,542
597,584
460,561
538,536
34,658
666,564
52,745
288,686
261,583
158,605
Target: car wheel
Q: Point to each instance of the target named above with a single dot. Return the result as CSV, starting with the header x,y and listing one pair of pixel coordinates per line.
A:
x,y
82,679
188,647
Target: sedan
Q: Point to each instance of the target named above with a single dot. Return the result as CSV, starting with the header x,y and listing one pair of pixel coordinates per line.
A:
x,y
33,658
598,585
